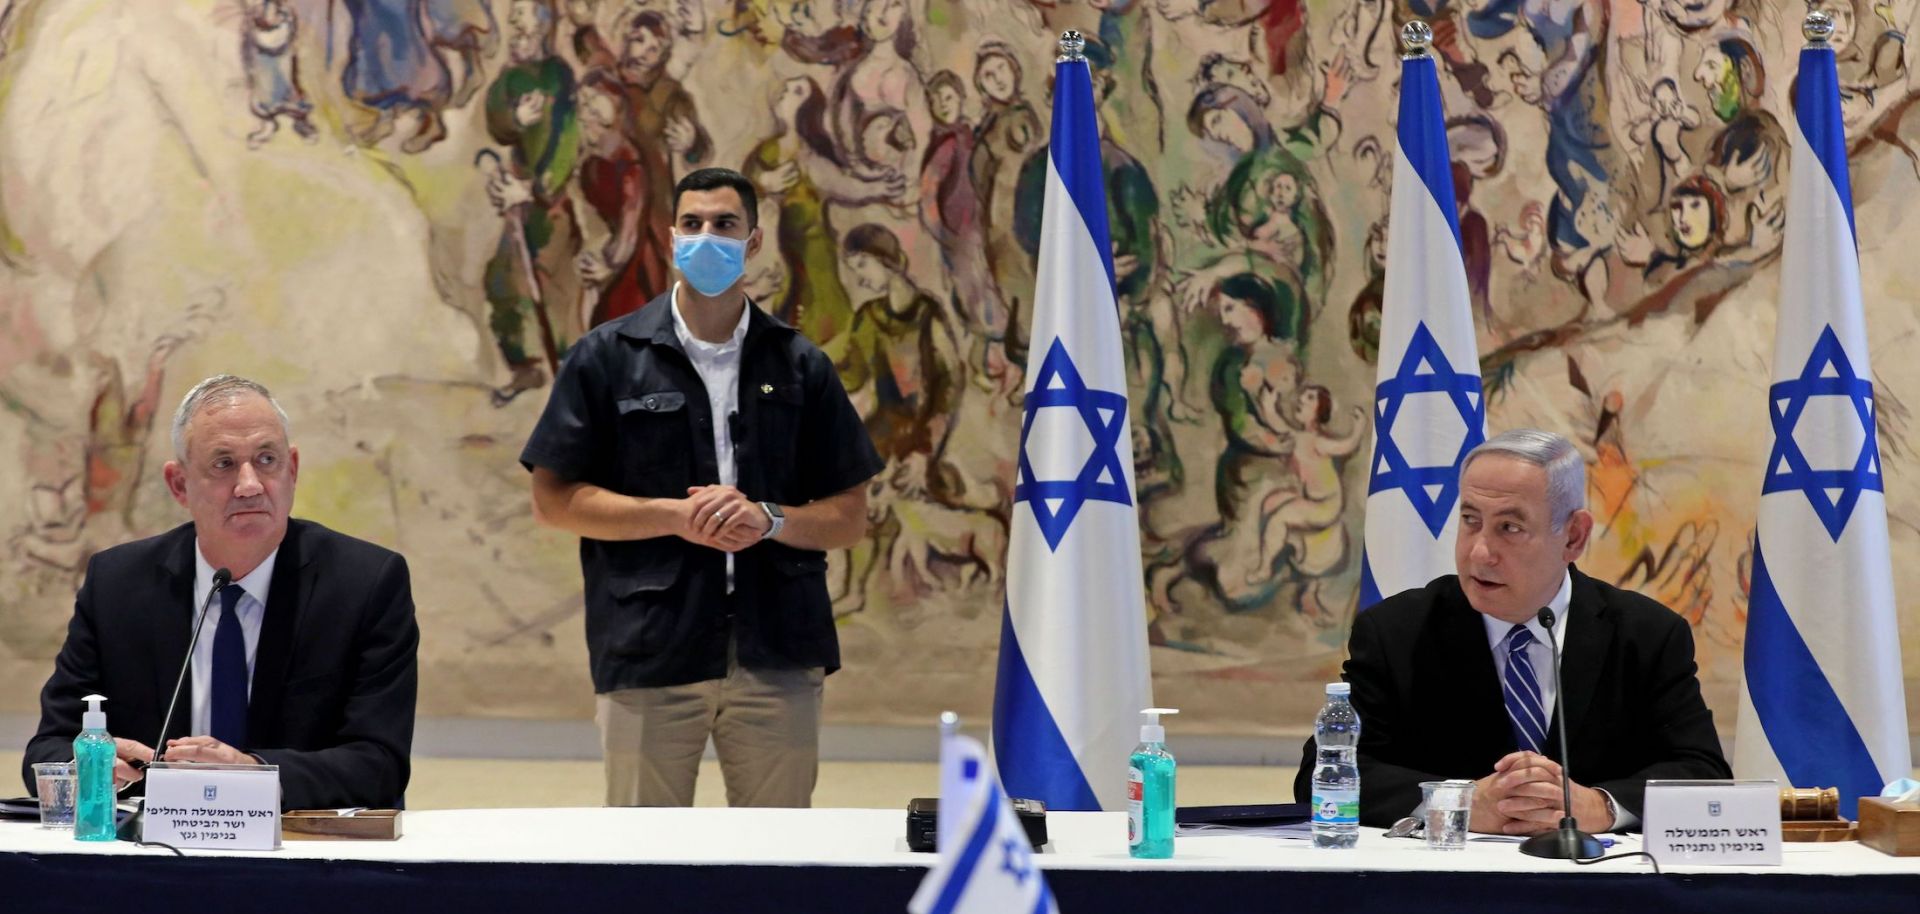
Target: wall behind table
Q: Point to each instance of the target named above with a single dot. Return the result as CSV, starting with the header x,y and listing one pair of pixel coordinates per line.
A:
x,y
298,191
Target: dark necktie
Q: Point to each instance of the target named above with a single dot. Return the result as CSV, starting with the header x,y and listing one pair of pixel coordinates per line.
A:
x,y
1524,709
228,717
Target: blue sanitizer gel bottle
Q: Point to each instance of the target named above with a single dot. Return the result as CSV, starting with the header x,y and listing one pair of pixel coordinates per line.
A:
x,y
93,759
1150,791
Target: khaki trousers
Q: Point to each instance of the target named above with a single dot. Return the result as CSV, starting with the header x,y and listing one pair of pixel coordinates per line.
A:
x,y
765,726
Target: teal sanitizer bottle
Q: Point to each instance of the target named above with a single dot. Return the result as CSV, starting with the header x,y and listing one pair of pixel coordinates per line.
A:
x,y
93,759
1150,791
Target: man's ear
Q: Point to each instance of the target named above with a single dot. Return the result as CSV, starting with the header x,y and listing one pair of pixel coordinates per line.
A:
x,y
1579,530
176,477
753,242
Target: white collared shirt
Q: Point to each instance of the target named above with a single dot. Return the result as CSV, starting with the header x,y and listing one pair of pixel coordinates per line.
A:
x,y
1539,652
718,365
251,612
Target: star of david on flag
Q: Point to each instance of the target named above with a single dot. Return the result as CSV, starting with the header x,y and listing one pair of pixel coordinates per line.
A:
x,y
1833,492
1428,407
1055,502
1432,490
1073,642
1822,698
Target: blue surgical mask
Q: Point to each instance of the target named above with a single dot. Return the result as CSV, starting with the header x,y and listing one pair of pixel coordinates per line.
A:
x,y
711,263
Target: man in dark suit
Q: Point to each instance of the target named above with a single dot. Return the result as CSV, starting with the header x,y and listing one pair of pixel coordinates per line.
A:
x,y
305,661
1444,676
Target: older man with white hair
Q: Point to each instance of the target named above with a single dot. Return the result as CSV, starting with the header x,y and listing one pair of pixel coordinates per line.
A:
x,y
1453,680
306,660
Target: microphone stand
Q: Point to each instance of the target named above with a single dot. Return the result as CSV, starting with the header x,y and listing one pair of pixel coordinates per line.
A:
x,y
1567,842
130,829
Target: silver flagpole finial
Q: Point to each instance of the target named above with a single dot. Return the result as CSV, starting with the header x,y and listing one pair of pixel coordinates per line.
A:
x,y
1415,39
1818,27
1073,47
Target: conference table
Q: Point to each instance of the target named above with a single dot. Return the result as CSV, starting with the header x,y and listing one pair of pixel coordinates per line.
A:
x,y
846,860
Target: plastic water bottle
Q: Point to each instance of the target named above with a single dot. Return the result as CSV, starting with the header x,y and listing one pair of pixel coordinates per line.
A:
x,y
1336,773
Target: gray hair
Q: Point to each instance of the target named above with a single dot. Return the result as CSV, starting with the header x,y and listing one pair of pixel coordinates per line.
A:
x,y
219,387
1566,469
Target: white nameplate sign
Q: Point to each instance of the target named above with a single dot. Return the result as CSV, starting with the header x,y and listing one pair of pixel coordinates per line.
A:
x,y
216,807
1724,823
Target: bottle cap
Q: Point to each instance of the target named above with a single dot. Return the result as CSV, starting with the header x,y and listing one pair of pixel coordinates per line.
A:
x,y
94,719
1339,688
1151,731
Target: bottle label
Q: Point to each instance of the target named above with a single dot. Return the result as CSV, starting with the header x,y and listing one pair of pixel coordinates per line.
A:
x,y
1136,797
1336,807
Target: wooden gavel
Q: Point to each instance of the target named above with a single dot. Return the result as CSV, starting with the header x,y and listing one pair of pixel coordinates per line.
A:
x,y
1809,803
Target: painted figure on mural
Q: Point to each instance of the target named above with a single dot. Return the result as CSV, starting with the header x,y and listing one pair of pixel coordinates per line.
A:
x,y
1009,131
902,368
883,79
666,131
273,73
614,184
1581,158
1307,519
533,278
800,167
1263,217
950,210
393,70
1660,135
1254,380
72,517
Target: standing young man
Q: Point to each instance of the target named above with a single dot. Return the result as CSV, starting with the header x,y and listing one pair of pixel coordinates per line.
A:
x,y
707,456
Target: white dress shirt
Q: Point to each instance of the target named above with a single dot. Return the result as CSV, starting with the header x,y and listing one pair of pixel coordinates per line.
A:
x,y
251,611
718,365
1539,653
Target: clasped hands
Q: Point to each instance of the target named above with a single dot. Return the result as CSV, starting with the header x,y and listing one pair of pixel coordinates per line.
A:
x,y
1522,797
723,518
128,753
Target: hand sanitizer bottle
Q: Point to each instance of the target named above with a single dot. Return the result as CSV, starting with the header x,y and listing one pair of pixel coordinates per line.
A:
x,y
1150,791
93,759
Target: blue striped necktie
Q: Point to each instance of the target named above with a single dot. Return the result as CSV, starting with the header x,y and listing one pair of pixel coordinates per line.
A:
x,y
1522,688
227,718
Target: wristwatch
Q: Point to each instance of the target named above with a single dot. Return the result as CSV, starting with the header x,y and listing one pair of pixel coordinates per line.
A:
x,y
776,519
1613,812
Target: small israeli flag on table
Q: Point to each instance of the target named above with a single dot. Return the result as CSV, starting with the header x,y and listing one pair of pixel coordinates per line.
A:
x,y
1073,644
986,863
1822,704
1428,407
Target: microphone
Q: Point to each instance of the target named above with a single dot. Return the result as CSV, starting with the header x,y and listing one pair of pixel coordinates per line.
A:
x,y
1567,842
130,829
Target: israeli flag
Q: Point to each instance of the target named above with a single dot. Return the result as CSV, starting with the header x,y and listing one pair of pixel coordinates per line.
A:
x,y
1822,704
1428,407
1073,643
988,865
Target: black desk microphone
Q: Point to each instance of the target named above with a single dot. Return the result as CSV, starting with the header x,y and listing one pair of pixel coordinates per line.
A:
x,y
130,829
1567,842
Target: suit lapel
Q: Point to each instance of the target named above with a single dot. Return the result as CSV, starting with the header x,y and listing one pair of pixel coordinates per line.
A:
x,y
171,632
1583,656
1481,712
286,597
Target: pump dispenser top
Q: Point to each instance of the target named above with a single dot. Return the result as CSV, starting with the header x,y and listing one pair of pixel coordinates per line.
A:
x,y
94,718
1151,731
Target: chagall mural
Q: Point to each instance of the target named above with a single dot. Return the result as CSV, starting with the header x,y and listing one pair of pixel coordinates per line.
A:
x,y
400,213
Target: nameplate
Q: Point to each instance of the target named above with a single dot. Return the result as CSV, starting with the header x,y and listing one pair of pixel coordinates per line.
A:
x,y
1713,823
214,807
